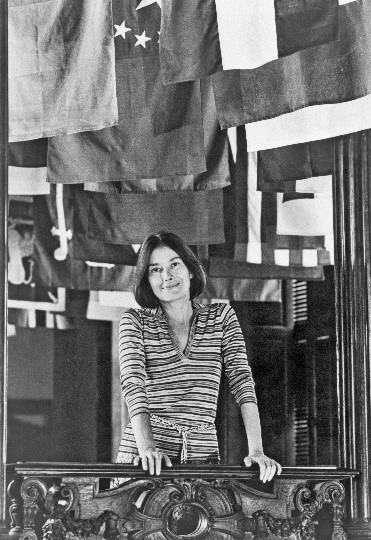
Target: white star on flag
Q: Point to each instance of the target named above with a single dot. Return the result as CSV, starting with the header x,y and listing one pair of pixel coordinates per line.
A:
x,y
122,29
142,39
145,3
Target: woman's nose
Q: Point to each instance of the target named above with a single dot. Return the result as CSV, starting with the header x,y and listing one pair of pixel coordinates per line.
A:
x,y
166,274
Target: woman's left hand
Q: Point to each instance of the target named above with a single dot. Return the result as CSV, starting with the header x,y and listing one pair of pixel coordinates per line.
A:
x,y
268,467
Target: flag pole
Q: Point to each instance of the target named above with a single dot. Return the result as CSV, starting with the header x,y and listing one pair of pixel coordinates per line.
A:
x,y
3,250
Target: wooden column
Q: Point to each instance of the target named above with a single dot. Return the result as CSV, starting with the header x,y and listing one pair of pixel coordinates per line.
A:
x,y
352,202
3,244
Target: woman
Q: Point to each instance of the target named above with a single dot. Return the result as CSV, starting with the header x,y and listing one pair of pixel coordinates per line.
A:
x,y
171,356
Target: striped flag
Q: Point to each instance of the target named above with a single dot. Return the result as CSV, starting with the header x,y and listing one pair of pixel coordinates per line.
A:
x,y
261,236
201,37
307,95
61,68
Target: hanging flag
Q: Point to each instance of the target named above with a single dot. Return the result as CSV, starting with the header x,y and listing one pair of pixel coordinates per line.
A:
x,y
223,267
334,74
81,246
258,239
195,216
201,37
227,262
89,263
243,290
109,305
217,174
61,68
28,153
27,181
160,132
289,168
317,122
300,22
27,167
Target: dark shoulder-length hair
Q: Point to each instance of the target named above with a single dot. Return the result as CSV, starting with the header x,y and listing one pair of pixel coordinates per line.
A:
x,y
143,290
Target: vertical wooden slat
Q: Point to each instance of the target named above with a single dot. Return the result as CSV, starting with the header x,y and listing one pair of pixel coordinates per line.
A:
x,y
363,326
339,241
352,194
3,243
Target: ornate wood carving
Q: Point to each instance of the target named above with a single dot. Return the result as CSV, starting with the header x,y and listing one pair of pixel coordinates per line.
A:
x,y
16,507
310,501
173,508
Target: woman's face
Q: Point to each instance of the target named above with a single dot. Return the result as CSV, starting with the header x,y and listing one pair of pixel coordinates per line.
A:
x,y
168,276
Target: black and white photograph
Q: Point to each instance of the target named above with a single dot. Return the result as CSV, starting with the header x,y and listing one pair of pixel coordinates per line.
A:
x,y
185,225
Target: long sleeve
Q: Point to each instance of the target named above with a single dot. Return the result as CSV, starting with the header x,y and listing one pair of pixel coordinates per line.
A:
x,y
132,364
235,359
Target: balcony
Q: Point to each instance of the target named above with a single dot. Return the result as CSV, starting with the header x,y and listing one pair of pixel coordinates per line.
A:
x,y
58,501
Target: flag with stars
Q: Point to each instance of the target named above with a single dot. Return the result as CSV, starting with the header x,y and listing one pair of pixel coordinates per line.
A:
x,y
201,37
160,134
61,68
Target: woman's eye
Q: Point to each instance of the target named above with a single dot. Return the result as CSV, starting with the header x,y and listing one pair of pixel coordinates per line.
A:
x,y
154,270
175,263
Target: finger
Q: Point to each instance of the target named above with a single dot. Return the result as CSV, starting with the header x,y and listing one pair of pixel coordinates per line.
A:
x,y
279,468
158,460
151,465
271,470
144,463
136,461
263,470
248,461
167,460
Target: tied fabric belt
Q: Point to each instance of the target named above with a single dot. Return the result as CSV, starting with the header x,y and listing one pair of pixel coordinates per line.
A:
x,y
183,431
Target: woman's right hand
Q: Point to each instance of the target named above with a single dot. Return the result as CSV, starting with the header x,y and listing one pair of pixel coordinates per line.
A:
x,y
152,460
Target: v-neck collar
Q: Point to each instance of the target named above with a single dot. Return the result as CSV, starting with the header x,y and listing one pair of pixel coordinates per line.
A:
x,y
197,308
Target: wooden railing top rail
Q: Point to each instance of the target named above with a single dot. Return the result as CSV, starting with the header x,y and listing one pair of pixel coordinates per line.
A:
x,y
103,470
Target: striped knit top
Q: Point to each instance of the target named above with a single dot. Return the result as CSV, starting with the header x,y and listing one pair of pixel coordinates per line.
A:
x,y
158,378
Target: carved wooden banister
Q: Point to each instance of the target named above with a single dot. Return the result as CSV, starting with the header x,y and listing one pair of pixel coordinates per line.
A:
x,y
58,501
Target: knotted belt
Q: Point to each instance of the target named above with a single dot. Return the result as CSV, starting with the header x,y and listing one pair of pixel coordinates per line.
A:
x,y
183,431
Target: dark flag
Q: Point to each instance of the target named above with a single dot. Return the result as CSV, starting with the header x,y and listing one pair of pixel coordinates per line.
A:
x,y
217,172
196,216
28,153
284,169
300,22
87,263
199,37
61,68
